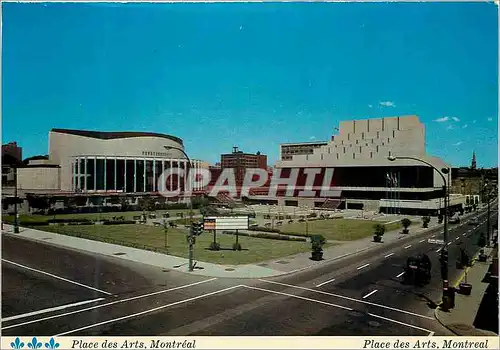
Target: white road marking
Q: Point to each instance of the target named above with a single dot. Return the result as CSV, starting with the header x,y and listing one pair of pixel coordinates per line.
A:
x,y
401,274
464,234
449,243
362,267
57,277
348,298
111,303
299,297
388,255
338,306
437,251
433,236
401,323
422,241
408,246
456,239
57,308
371,293
322,284
147,311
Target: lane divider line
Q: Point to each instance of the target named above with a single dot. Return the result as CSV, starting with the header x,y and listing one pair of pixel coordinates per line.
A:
x,y
401,274
422,241
322,284
348,298
56,277
147,311
342,307
371,293
388,255
408,246
362,267
110,303
44,311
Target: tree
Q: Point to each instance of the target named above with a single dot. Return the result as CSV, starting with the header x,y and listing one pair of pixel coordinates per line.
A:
x,y
146,204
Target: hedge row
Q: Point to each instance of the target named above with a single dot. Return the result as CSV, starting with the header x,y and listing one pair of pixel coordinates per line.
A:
x,y
56,221
118,222
269,236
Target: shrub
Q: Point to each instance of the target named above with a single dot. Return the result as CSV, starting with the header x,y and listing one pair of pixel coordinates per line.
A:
x,y
317,242
264,229
33,223
214,246
59,221
406,223
425,221
379,230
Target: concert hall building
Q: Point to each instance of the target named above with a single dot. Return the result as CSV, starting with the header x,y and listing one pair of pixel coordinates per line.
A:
x,y
363,173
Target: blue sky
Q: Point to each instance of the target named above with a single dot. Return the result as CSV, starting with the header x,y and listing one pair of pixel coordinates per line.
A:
x,y
252,75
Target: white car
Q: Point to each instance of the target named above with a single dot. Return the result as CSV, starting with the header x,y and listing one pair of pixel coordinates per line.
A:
x,y
474,221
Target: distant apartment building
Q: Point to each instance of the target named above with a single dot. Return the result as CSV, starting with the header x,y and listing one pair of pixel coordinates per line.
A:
x,y
288,150
241,161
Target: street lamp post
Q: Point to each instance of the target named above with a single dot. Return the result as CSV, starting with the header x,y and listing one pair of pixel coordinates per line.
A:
x,y
16,214
444,249
190,238
486,191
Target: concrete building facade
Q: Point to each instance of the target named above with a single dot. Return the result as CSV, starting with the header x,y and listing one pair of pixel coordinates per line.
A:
x,y
362,171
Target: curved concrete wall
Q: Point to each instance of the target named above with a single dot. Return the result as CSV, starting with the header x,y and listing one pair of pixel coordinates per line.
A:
x,y
63,147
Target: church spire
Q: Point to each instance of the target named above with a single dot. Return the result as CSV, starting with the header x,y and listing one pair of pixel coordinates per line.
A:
x,y
473,164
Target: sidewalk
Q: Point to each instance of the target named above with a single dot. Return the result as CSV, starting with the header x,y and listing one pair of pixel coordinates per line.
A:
x,y
276,267
460,320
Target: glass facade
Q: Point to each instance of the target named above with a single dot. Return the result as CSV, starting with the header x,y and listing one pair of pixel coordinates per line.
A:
x,y
124,174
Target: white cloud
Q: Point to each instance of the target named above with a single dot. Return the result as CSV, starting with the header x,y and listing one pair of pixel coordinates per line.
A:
x,y
442,119
490,119
474,121
370,106
466,125
312,138
455,119
387,104
458,143
450,127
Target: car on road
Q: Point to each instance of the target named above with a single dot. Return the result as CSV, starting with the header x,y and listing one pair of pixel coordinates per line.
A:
x,y
417,270
455,219
474,221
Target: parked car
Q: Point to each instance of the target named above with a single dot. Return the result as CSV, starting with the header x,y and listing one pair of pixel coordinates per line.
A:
x,y
455,219
474,221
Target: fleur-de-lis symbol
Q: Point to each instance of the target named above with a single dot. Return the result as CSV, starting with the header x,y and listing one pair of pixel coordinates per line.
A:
x,y
17,344
35,344
51,344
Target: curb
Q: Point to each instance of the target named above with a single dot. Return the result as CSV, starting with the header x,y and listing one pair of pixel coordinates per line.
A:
x,y
436,312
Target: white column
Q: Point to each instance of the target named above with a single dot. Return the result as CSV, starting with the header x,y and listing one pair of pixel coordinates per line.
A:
x,y
74,175
144,177
154,175
125,175
170,164
77,173
105,173
85,175
135,175
115,174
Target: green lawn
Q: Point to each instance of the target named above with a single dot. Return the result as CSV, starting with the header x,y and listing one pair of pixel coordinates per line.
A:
x,y
340,229
153,238
129,215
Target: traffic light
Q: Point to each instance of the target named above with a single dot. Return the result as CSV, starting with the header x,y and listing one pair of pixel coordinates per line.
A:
x,y
196,228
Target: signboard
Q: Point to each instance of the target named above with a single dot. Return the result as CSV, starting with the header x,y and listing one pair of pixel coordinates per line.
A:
x,y
226,223
435,241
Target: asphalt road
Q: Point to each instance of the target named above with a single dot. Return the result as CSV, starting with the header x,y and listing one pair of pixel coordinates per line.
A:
x,y
52,291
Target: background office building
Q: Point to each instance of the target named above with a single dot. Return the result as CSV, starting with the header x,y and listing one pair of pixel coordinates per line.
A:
x,y
288,150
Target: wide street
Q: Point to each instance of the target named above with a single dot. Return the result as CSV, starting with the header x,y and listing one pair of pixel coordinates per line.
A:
x,y
51,291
